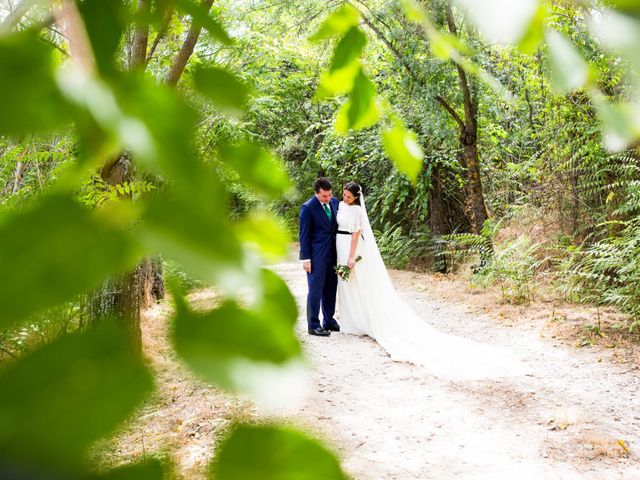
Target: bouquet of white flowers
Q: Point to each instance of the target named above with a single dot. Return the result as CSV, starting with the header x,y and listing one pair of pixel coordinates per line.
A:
x,y
344,271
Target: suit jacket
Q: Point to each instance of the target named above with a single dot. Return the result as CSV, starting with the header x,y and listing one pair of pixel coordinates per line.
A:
x,y
317,232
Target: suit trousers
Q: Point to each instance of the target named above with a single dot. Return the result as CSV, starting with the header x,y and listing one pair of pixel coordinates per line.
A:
x,y
323,283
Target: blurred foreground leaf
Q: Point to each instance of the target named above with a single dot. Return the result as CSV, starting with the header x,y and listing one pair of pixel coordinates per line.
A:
x,y
338,23
361,109
505,22
257,167
265,231
618,33
194,231
345,65
253,452
569,70
60,399
620,123
222,88
105,23
53,252
239,349
401,145
30,98
276,303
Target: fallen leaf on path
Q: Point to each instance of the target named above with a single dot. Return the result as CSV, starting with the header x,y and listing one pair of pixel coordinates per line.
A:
x,y
624,446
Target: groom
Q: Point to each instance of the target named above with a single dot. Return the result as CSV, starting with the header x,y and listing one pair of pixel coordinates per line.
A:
x,y
318,228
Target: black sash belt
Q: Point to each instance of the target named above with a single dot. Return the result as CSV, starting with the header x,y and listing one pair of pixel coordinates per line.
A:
x,y
348,233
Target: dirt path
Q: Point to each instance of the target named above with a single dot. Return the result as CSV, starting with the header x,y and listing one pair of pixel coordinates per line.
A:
x,y
574,417
390,420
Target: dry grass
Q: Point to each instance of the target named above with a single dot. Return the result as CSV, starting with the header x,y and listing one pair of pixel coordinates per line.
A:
x,y
186,418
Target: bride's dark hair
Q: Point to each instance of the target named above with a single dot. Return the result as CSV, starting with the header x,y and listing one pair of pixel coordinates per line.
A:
x,y
355,189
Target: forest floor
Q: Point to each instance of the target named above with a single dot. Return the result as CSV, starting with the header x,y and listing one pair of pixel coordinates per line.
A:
x,y
576,415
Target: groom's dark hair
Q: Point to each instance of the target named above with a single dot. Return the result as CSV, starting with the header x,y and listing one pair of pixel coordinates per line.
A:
x,y
322,184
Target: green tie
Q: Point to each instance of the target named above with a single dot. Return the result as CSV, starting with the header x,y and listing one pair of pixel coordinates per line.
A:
x,y
327,211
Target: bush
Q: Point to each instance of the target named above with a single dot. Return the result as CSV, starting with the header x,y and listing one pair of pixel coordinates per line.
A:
x,y
42,329
395,247
608,272
174,273
513,267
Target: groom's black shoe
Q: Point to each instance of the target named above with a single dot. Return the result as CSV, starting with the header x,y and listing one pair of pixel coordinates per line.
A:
x,y
320,332
332,328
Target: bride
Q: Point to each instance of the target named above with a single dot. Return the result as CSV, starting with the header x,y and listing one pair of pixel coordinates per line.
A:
x,y
369,305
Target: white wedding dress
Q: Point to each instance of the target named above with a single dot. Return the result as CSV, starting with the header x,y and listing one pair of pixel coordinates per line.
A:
x,y
369,305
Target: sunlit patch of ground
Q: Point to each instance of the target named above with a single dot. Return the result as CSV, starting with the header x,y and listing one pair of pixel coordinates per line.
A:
x,y
186,418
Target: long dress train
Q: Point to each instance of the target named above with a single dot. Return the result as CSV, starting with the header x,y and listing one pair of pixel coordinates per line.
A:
x,y
369,305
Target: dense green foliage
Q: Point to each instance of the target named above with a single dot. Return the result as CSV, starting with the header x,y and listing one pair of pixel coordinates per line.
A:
x,y
403,97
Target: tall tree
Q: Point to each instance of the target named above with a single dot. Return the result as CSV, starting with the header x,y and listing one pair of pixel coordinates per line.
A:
x,y
475,206
125,297
467,122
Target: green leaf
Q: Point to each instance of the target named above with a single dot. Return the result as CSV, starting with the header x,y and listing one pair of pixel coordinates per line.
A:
x,y
345,66
266,452
348,49
620,123
505,22
625,5
222,88
414,11
257,167
265,231
401,146
52,252
133,113
56,402
240,350
276,303
192,228
338,81
534,34
338,23
202,16
618,33
569,71
446,46
157,125
105,23
361,109
30,98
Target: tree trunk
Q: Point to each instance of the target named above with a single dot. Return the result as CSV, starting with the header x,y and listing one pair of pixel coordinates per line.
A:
x,y
186,51
140,37
475,208
121,299
17,177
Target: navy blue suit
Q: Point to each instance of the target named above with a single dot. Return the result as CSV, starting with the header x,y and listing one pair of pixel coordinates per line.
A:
x,y
318,244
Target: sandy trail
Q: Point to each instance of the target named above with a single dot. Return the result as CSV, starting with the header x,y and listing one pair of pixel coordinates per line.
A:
x,y
391,420
572,417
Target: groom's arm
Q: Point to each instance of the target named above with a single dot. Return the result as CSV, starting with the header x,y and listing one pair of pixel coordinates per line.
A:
x,y
305,236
